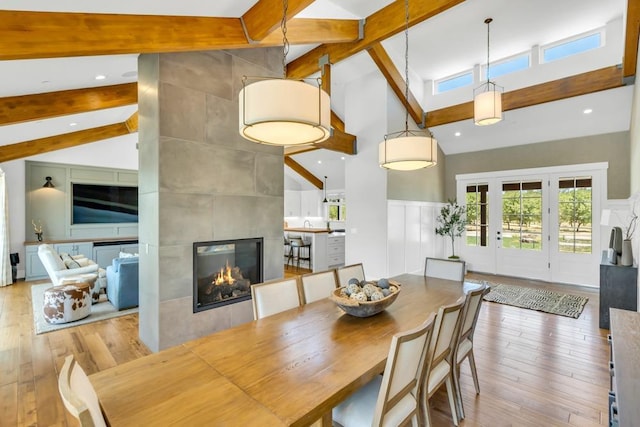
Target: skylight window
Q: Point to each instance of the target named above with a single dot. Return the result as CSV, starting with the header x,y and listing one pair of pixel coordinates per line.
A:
x,y
572,47
455,82
513,64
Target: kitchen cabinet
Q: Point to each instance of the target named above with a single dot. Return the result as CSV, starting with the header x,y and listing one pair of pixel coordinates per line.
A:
x,y
310,202
291,203
335,251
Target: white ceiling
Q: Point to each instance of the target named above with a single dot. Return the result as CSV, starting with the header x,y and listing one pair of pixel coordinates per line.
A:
x,y
452,41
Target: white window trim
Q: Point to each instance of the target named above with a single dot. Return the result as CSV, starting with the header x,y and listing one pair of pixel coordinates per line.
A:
x,y
451,77
603,42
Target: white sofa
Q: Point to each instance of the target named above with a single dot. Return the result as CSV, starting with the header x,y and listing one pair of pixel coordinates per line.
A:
x,y
79,264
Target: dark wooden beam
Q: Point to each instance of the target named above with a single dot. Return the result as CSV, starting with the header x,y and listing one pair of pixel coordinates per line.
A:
x,y
303,172
18,109
581,84
396,81
58,142
381,25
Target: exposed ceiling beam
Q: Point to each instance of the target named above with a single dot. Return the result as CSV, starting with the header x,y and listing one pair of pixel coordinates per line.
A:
x,y
303,172
266,15
58,142
580,84
630,59
132,123
18,109
381,25
336,122
297,149
310,31
341,142
396,81
31,35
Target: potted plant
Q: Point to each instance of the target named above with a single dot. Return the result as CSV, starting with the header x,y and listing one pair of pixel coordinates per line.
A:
x,y
451,222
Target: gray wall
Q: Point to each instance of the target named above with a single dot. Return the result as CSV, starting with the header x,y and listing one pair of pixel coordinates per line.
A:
x,y
424,185
612,148
200,181
52,206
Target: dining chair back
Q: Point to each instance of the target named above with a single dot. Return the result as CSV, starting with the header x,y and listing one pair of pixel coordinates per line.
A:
x,y
439,364
274,296
464,348
78,394
316,286
449,269
391,399
350,272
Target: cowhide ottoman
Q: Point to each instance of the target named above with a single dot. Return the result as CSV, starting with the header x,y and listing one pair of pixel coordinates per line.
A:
x,y
90,278
66,303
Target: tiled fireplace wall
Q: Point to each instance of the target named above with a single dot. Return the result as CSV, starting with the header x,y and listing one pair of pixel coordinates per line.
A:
x,y
200,181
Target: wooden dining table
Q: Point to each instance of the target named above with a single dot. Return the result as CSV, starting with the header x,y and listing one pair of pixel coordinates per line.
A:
x,y
289,369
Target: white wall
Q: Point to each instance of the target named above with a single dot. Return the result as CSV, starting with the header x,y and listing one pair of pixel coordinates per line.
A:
x,y
118,152
365,181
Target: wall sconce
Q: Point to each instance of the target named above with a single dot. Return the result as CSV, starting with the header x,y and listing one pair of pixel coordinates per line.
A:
x,y
48,183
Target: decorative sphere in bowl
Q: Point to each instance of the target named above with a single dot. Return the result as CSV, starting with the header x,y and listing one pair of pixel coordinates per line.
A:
x,y
368,301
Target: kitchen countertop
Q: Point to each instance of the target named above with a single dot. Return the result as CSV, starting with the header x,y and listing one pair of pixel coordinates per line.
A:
x,y
307,230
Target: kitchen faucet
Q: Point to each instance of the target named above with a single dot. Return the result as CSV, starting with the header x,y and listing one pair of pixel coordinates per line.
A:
x,y
307,222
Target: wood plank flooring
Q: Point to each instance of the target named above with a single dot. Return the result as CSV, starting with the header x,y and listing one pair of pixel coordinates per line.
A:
x,y
535,369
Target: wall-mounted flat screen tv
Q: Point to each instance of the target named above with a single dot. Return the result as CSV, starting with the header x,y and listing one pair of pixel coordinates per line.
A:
x,y
103,204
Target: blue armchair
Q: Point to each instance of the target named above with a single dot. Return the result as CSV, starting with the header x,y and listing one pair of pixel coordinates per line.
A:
x,y
122,282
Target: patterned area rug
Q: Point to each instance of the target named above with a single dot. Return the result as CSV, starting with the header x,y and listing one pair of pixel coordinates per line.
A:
x,y
99,311
537,299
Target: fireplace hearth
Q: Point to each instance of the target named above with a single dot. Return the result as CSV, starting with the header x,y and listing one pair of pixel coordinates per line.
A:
x,y
224,270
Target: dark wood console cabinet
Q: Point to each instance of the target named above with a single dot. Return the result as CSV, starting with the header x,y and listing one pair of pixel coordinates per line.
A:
x,y
618,289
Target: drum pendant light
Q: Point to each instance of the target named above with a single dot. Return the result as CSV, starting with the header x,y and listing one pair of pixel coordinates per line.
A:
x,y
282,111
408,150
487,99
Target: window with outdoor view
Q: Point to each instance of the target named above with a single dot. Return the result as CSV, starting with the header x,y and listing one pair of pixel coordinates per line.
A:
x,y
337,207
574,216
477,200
522,215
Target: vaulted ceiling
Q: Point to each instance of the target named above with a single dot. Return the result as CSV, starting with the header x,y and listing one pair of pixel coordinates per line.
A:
x,y
51,53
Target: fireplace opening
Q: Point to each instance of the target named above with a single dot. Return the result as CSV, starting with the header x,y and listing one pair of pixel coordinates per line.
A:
x,y
224,270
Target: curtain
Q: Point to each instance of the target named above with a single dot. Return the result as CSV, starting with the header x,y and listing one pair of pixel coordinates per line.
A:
x,y
5,263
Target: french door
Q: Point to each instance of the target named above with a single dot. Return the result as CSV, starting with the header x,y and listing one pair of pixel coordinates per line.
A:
x,y
536,223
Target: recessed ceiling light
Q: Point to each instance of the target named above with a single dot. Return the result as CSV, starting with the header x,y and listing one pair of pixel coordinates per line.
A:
x,y
457,134
587,111
342,158
72,124
319,162
101,77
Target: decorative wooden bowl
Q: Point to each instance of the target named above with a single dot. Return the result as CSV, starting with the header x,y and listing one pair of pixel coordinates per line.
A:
x,y
363,308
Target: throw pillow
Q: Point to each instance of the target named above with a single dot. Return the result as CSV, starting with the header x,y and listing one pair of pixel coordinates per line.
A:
x,y
84,261
127,255
68,261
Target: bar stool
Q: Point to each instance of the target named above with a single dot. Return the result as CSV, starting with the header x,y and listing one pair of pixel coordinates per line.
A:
x,y
299,250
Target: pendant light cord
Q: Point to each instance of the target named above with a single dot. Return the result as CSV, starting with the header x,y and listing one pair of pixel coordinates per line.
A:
x,y
406,65
488,22
285,41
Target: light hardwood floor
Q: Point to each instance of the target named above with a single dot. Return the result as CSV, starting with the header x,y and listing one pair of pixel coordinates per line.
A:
x,y
535,369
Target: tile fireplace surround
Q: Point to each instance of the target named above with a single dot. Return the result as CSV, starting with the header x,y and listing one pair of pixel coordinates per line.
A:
x,y
200,181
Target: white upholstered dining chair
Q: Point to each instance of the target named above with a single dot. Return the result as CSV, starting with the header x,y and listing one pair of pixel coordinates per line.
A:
x,y
316,286
274,296
78,394
449,269
464,349
391,399
349,272
439,362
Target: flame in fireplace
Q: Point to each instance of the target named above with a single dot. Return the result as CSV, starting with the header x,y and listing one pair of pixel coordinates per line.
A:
x,y
224,276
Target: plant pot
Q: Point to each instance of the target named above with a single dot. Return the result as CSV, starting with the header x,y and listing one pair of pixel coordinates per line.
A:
x,y
627,254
